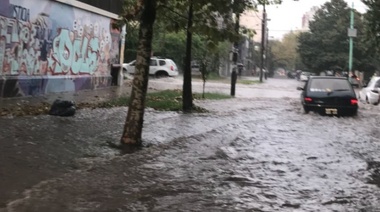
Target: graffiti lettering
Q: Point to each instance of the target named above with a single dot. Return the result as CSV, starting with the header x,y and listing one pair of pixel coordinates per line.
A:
x,y
42,33
32,49
20,13
79,56
2,52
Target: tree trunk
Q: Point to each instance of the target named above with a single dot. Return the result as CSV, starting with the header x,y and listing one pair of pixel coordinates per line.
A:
x,y
134,122
204,88
187,95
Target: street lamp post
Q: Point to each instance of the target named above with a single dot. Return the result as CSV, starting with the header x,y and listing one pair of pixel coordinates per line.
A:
x,y
235,56
351,34
264,39
263,29
267,52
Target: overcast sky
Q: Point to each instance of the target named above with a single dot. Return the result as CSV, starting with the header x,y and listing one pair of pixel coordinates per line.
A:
x,y
288,15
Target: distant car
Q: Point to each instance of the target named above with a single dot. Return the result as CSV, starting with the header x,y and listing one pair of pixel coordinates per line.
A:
x,y
354,80
327,73
159,67
370,93
329,95
195,65
291,74
305,76
240,68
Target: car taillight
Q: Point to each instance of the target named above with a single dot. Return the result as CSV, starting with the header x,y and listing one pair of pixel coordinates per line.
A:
x,y
308,99
354,101
172,68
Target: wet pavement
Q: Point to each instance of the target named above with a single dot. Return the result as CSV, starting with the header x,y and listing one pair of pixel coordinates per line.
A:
x,y
255,152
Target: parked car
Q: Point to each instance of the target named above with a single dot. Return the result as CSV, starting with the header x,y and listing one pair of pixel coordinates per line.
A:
x,y
305,76
195,68
370,93
329,95
159,67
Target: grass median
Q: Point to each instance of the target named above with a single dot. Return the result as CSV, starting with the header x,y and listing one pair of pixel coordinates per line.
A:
x,y
227,80
166,100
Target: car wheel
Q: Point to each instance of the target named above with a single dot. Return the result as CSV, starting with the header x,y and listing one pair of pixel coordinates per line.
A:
x,y
354,113
378,102
306,110
160,74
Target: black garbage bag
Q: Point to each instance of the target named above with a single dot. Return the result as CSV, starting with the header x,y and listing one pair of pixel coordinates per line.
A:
x,y
62,108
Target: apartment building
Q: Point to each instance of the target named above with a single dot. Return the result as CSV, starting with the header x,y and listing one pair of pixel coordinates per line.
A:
x,y
252,20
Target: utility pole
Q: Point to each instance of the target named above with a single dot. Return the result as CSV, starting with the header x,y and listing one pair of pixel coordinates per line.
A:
x,y
351,34
266,52
263,29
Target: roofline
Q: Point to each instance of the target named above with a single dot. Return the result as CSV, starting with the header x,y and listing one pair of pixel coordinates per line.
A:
x,y
89,8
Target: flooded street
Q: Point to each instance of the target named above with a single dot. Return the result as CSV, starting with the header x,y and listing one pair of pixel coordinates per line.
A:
x,y
254,152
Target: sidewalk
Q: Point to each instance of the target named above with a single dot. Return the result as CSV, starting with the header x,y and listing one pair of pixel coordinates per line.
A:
x,y
34,105
43,102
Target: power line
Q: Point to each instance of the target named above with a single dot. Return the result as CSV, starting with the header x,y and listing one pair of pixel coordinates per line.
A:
x,y
258,16
253,16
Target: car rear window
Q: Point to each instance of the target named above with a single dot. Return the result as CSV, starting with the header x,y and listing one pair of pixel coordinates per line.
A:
x,y
153,62
162,63
327,85
377,85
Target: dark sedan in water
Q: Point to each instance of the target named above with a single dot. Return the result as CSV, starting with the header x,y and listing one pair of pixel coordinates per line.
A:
x,y
329,95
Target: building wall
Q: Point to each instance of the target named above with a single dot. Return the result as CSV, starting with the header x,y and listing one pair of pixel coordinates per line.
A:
x,y
307,17
47,46
252,20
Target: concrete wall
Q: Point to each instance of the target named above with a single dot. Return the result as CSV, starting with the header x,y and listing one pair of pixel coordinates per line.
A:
x,y
47,46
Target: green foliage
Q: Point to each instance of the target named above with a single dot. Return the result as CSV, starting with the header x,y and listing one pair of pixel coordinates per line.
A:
x,y
172,16
203,68
170,45
212,76
130,49
372,18
213,96
284,53
326,46
248,82
166,100
209,36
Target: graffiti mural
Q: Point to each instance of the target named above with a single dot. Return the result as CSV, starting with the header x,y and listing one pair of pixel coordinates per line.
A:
x,y
50,40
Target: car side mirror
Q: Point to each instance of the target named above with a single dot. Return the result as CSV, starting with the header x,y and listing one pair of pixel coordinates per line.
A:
x,y
300,88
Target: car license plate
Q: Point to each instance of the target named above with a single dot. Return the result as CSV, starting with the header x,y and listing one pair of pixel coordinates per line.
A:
x,y
331,111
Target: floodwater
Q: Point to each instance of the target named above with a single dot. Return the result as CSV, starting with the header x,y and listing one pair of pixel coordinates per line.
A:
x,y
255,152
